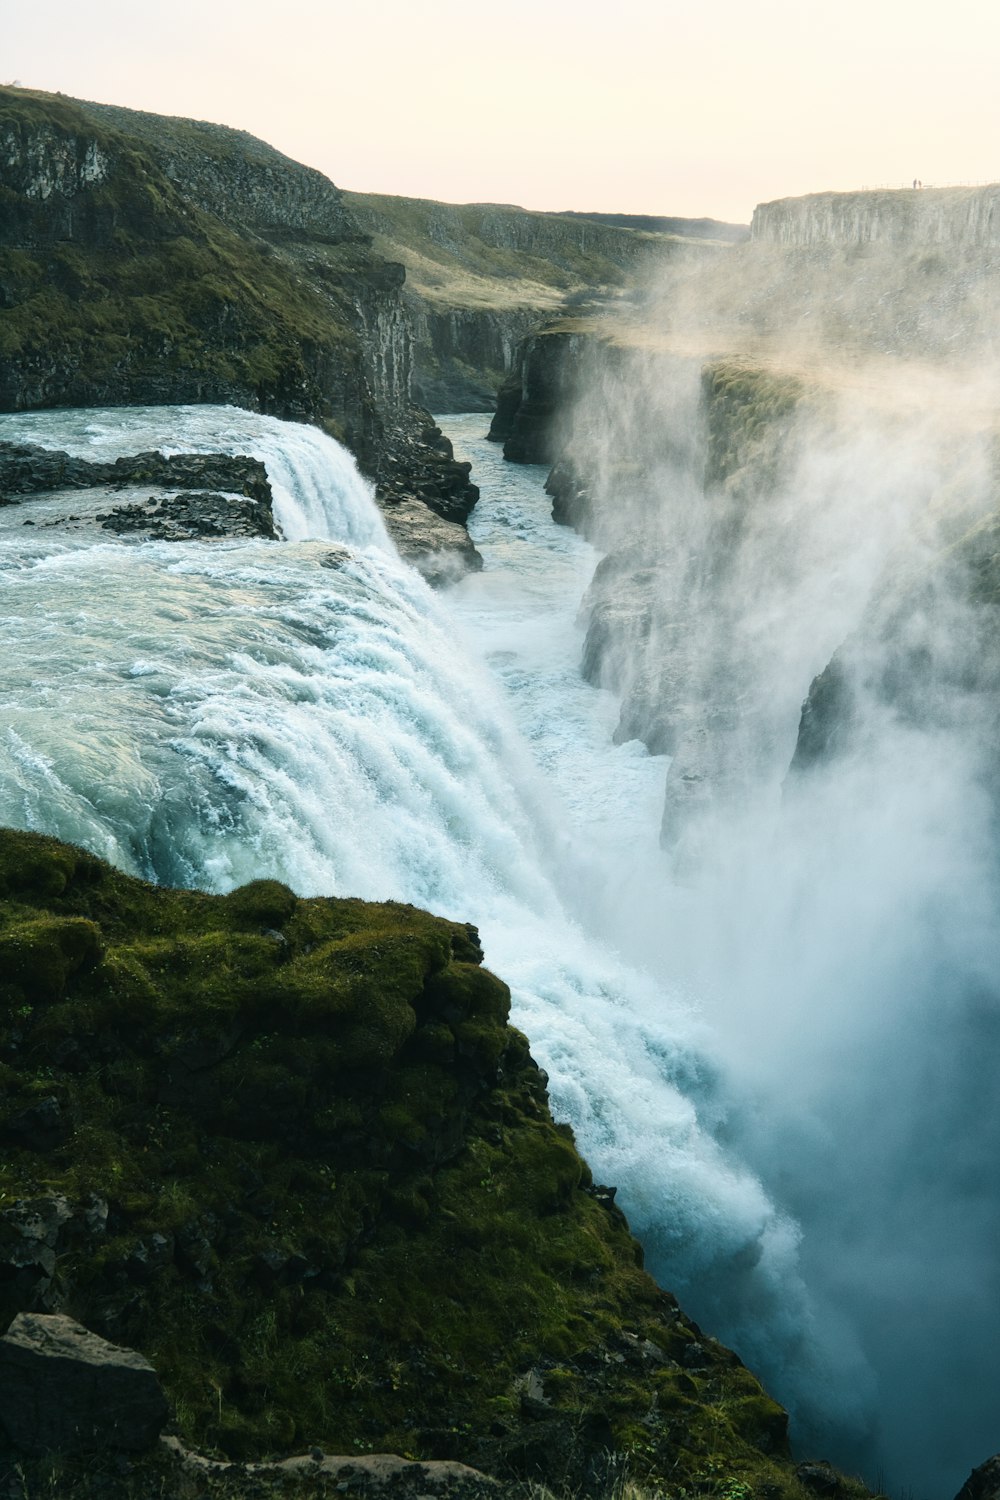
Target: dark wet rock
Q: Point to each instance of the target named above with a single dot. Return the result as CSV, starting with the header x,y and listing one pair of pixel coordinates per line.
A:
x,y
196,514
194,517
983,1483
572,498
819,1478
65,1390
440,549
27,469
534,401
426,496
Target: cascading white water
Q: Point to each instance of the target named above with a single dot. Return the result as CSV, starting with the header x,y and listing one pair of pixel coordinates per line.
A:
x,y
315,483
208,713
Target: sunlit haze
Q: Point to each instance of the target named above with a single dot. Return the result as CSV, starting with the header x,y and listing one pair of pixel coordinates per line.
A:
x,y
642,108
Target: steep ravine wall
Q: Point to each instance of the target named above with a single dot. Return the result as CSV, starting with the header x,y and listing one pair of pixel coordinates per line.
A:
x,y
966,218
462,354
482,276
147,260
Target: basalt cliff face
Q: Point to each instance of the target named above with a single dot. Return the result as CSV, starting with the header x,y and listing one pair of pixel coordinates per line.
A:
x,y
481,277
956,218
539,392
292,1151
146,260
718,444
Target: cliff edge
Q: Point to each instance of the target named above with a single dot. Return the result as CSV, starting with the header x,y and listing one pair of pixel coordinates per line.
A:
x,y
151,260
292,1151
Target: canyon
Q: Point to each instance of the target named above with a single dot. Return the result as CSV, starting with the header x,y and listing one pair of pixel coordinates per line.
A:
x,y
782,448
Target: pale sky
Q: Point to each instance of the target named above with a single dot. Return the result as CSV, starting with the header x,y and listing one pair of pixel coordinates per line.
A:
x,y
623,106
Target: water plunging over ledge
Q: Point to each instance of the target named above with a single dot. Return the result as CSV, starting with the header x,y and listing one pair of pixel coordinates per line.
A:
x,y
203,714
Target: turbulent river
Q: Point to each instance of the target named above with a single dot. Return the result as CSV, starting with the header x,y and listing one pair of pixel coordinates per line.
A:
x,y
207,713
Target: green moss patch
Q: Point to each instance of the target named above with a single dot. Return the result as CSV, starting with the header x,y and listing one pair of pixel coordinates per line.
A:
x,y
292,1150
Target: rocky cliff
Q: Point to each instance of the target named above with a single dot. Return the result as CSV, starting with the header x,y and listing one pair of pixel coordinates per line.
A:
x,y
709,440
482,276
152,260
953,218
698,519
292,1151
540,389
925,652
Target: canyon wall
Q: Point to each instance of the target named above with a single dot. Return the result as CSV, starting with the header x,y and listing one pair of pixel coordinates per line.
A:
x,y
147,260
966,218
482,276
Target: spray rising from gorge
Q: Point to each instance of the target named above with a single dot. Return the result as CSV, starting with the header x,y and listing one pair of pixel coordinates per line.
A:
x,y
790,462
776,1032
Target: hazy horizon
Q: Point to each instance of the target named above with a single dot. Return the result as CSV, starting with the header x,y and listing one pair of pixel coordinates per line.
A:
x,y
661,111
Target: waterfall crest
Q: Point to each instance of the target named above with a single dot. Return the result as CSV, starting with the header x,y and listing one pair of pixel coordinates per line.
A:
x,y
206,714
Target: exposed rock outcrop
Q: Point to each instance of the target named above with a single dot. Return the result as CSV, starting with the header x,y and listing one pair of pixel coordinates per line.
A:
x,y
536,398
26,469
64,1390
147,260
244,511
951,217
983,1483
462,354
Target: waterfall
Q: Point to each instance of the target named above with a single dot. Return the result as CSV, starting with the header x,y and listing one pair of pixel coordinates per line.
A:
x,y
315,483
204,714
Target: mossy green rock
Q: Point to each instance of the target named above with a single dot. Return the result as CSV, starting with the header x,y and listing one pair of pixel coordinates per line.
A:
x,y
292,1151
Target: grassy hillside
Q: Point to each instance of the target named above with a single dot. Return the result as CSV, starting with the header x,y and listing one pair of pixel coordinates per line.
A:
x,y
116,287
481,276
499,256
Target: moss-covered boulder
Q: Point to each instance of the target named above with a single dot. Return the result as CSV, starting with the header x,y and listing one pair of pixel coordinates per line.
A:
x,y
292,1151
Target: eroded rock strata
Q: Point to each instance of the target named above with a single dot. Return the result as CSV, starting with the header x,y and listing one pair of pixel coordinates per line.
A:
x,y
149,260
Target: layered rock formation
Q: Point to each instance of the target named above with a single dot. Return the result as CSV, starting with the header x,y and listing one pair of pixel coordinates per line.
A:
x,y
482,276
537,395
155,261
955,218
292,1152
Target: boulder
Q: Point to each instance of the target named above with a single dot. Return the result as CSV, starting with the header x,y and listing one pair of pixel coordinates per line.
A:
x,y
64,1390
983,1483
820,1477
